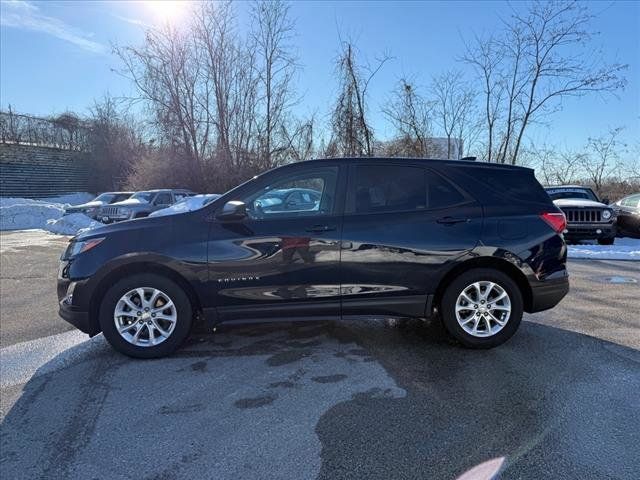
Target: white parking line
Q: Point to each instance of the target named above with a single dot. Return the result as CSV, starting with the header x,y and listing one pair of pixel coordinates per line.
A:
x,y
24,361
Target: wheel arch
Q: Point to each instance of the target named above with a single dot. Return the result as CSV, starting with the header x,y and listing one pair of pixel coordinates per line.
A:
x,y
496,263
134,268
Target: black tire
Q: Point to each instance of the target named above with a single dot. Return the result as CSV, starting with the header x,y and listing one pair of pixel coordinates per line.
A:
x,y
180,299
606,241
457,286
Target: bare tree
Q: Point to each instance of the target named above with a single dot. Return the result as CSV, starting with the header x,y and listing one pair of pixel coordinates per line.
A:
x,y
276,66
299,138
454,109
352,133
409,112
229,84
116,142
486,59
541,57
167,72
603,159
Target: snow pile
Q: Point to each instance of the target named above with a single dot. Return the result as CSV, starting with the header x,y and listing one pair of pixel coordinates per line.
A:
x,y
622,249
72,224
70,198
46,214
187,205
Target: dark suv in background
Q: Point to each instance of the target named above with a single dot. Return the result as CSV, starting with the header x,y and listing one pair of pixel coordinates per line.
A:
x,y
473,244
588,218
141,204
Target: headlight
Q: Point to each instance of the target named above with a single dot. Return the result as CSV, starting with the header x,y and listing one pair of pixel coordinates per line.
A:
x,y
90,211
606,214
124,211
84,246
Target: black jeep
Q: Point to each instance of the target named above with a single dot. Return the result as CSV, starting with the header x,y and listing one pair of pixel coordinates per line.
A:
x,y
588,218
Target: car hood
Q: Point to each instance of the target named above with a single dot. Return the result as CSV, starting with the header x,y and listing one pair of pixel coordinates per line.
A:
x,y
577,202
92,204
139,223
129,202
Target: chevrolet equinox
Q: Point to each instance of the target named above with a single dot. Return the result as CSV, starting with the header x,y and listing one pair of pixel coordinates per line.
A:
x,y
473,244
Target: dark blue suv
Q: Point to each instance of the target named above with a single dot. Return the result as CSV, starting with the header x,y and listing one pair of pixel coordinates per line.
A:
x,y
470,243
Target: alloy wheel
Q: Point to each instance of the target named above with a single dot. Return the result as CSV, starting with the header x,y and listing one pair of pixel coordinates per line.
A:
x,y
483,308
145,316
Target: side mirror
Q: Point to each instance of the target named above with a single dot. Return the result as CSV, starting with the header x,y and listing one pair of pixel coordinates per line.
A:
x,y
233,211
605,201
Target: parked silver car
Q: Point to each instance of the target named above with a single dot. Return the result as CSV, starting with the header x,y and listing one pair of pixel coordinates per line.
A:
x,y
141,204
91,208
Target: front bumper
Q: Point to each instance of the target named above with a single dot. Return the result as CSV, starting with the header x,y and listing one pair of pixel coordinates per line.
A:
x,y
113,218
76,315
590,231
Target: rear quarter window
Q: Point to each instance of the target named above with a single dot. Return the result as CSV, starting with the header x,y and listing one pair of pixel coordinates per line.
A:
x,y
520,184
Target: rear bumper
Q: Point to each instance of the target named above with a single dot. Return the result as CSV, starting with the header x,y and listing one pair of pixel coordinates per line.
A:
x,y
547,294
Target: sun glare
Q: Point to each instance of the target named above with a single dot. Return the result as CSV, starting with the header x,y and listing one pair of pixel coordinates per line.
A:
x,y
167,10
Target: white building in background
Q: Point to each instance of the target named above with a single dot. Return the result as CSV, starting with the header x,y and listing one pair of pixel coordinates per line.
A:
x,y
440,149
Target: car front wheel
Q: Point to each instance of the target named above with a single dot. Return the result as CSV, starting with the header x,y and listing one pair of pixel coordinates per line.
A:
x,y
482,308
145,316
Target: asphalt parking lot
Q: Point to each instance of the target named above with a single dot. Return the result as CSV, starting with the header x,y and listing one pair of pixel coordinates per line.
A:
x,y
374,399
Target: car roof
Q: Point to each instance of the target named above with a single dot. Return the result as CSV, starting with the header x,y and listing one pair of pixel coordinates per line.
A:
x,y
157,190
631,195
569,186
426,161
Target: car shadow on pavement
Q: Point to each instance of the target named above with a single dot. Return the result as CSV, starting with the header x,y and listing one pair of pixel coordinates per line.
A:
x,y
555,403
332,400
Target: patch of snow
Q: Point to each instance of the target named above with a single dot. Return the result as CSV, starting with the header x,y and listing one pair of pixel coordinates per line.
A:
x,y
189,204
21,239
45,214
622,249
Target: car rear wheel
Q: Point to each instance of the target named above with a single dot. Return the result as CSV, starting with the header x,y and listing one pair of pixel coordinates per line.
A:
x,y
482,308
145,316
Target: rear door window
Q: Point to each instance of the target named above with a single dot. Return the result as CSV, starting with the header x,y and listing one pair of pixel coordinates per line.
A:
x,y
441,193
387,188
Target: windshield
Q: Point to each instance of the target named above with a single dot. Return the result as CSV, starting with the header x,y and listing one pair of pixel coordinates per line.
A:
x,y
105,197
579,193
144,196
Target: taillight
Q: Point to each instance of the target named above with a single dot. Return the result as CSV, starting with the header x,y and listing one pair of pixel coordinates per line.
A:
x,y
556,220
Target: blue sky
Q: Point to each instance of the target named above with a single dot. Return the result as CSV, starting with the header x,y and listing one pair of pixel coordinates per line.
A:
x,y
56,56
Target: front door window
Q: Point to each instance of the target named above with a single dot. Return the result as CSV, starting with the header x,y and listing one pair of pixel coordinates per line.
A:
x,y
308,194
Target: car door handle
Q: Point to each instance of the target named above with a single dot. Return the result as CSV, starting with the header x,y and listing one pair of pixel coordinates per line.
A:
x,y
320,229
452,220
